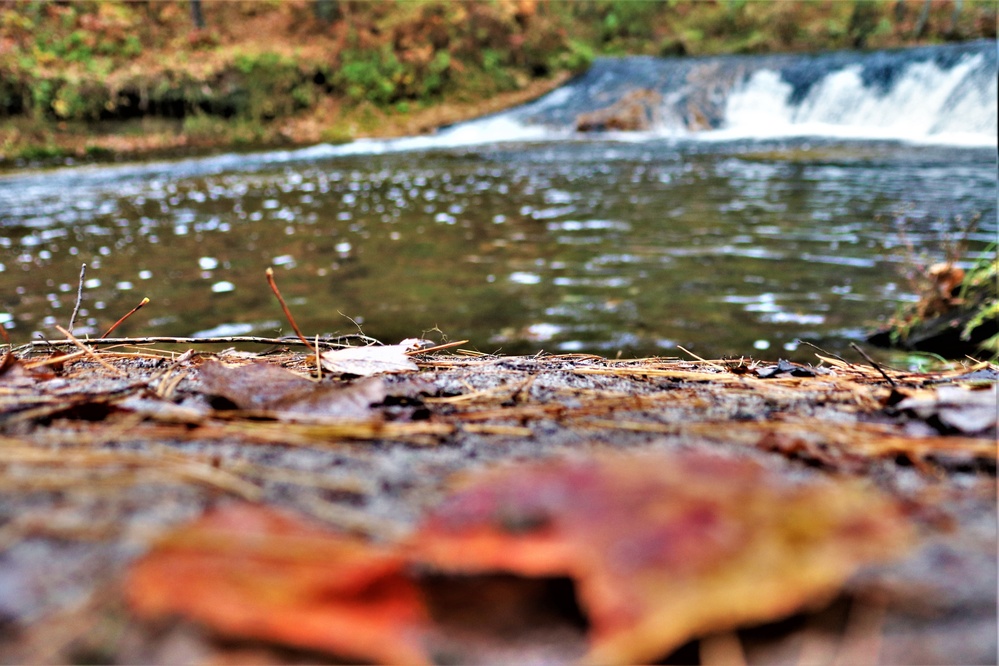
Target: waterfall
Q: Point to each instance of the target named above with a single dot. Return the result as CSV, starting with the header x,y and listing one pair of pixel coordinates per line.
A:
x,y
932,94
941,94
924,101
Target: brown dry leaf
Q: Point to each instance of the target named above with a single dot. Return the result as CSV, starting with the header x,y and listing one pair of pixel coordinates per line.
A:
x,y
252,572
372,360
14,374
664,548
262,386
957,408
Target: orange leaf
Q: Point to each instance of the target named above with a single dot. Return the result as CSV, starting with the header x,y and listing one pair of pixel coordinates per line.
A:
x,y
252,572
664,548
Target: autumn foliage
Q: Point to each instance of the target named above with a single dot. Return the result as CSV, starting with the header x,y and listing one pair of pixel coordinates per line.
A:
x,y
660,549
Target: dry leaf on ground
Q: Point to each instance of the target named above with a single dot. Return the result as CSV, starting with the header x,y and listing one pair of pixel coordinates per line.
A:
x,y
263,386
660,549
14,374
371,360
664,548
957,408
252,572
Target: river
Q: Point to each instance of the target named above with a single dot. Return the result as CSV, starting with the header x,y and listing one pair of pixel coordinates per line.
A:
x,y
777,222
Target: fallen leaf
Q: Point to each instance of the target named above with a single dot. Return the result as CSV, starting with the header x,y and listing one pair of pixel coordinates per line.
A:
x,y
14,374
262,386
252,572
660,549
957,408
787,368
371,360
664,548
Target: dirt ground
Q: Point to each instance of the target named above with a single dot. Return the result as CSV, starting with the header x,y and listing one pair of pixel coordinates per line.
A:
x,y
103,452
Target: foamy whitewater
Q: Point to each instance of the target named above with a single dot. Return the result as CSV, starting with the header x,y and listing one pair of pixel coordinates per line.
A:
x,y
934,95
926,104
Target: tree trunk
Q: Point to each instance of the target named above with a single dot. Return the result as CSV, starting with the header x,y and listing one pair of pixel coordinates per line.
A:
x,y
196,15
924,15
958,5
324,10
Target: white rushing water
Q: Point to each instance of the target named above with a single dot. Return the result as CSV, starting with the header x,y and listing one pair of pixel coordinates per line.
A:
x,y
925,104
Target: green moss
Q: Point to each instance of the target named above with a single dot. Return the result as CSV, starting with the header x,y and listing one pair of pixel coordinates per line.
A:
x,y
40,152
98,152
336,135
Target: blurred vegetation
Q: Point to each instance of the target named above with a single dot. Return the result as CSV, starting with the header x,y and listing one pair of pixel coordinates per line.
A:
x,y
267,71
956,311
967,325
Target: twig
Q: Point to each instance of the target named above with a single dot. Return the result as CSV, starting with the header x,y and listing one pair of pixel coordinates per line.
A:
x,y
330,342
702,360
89,352
427,350
838,358
40,342
79,296
55,360
127,315
877,367
287,312
319,362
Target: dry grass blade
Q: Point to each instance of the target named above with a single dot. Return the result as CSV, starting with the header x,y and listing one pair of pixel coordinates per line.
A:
x,y
436,348
497,394
503,430
55,360
90,352
128,314
650,371
79,297
287,312
702,360
76,465
320,433
330,343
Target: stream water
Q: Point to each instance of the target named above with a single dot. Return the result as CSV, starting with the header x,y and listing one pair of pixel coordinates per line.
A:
x,y
776,224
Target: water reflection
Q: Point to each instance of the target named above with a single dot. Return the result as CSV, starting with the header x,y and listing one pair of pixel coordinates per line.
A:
x,y
584,246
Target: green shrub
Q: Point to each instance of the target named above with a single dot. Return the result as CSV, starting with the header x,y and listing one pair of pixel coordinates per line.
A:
x,y
41,152
371,76
577,58
273,86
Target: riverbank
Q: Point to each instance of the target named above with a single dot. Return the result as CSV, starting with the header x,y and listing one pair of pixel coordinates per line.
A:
x,y
107,80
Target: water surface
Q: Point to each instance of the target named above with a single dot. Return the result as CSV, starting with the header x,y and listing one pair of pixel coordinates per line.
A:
x,y
520,235
607,247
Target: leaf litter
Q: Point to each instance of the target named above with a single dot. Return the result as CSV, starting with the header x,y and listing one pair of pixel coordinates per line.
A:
x,y
667,501
261,386
371,360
